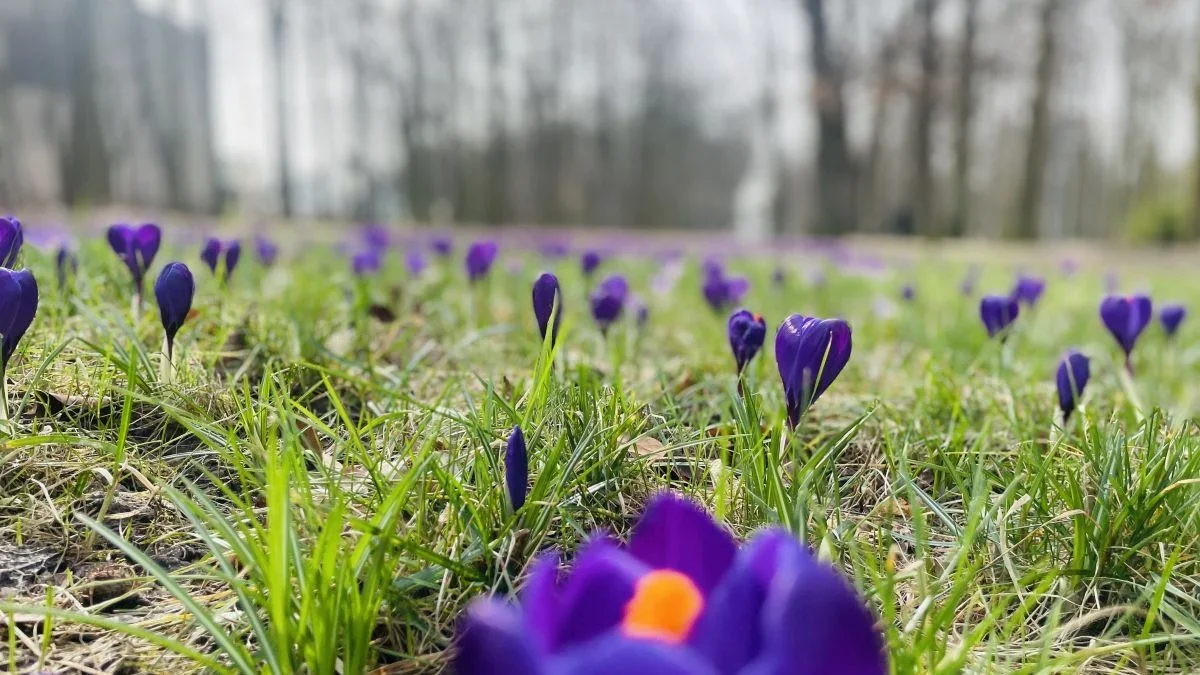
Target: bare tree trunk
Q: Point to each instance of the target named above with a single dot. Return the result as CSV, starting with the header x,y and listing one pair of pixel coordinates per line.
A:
x,y
364,198
960,218
1195,220
836,207
870,186
278,23
497,160
85,164
924,205
1030,205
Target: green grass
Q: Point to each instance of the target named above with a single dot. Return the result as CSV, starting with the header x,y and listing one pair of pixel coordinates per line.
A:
x,y
313,490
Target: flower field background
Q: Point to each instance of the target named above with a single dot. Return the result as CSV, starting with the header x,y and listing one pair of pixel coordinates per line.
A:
x,y
317,481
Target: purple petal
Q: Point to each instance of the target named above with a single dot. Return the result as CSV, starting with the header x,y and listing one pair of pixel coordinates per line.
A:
x,y
729,633
540,600
676,533
492,641
600,584
815,623
622,656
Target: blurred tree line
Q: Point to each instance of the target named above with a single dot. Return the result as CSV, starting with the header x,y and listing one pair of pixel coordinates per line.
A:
x,y
934,117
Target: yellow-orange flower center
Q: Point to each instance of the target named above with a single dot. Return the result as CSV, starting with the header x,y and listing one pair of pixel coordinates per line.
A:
x,y
664,606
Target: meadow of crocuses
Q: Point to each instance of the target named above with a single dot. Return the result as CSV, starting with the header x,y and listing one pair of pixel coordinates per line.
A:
x,y
529,452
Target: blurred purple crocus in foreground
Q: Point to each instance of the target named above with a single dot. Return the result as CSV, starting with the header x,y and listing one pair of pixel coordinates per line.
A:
x,y
480,257
811,353
1028,289
1072,376
18,306
136,246
545,296
11,237
908,292
998,312
747,331
608,301
1126,317
681,599
1171,316
267,250
212,252
516,469
174,291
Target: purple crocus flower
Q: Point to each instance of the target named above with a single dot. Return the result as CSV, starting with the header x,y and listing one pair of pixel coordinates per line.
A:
x,y
11,238
589,261
18,306
908,292
442,245
681,599
1171,316
1072,376
174,291
416,263
746,334
811,353
721,291
516,469
267,250
1126,317
377,236
480,257
1068,267
1028,289
65,263
998,312
554,250
641,311
608,301
545,293
212,252
136,246
366,262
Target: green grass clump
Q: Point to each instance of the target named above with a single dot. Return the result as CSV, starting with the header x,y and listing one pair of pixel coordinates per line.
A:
x,y
316,486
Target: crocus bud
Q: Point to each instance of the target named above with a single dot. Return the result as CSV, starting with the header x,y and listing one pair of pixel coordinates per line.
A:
x,y
1126,317
608,301
545,293
18,306
480,257
811,353
1171,316
998,312
1072,377
746,334
516,468
174,290
11,238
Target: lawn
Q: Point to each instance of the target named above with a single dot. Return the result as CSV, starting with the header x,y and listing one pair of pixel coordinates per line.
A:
x,y
316,483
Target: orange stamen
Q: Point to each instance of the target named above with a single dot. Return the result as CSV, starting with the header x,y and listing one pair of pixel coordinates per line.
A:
x,y
664,606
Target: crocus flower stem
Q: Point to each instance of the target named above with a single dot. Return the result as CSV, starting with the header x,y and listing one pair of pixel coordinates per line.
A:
x,y
3,400
167,369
